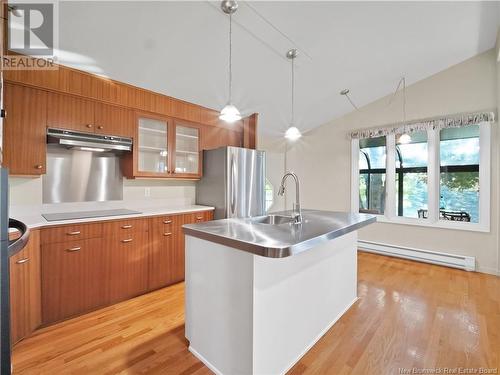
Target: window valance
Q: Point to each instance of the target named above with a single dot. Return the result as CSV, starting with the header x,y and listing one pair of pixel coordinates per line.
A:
x,y
451,121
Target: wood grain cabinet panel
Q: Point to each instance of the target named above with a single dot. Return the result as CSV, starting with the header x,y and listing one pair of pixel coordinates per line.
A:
x,y
197,217
126,266
165,259
215,137
72,278
25,289
173,220
120,228
112,120
24,145
70,112
71,233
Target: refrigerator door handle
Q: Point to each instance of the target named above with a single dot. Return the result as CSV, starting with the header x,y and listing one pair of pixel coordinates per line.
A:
x,y
233,186
18,244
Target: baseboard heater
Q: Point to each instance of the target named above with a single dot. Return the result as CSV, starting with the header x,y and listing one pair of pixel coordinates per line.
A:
x,y
443,259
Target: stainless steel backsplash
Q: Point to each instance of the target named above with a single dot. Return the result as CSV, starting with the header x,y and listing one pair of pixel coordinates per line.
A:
x,y
81,176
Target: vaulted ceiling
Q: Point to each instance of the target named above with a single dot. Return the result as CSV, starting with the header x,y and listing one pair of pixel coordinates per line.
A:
x,y
181,49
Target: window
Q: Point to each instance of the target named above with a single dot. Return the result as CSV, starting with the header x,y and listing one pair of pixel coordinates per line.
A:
x,y
269,194
459,174
433,177
411,174
372,155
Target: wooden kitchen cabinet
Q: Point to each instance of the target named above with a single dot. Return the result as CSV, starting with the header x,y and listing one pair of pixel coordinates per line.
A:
x,y
24,145
166,253
87,266
25,289
72,232
186,153
70,112
113,120
73,273
214,137
152,148
126,266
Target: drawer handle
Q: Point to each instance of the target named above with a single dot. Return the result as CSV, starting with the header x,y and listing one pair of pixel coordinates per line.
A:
x,y
21,261
126,226
167,222
75,233
89,126
167,234
199,218
38,166
71,249
127,240
100,127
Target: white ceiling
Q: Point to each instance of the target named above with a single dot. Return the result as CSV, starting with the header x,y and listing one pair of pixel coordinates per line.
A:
x,y
181,49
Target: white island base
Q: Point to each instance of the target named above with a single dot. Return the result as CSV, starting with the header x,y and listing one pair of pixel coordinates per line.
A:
x,y
248,314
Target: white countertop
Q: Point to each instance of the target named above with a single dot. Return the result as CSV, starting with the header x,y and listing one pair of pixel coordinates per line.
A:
x,y
32,215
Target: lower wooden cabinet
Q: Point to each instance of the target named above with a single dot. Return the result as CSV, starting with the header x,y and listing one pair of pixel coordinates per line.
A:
x,y
72,278
167,255
126,266
25,289
120,260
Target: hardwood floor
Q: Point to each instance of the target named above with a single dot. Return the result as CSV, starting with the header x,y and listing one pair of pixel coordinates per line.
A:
x,y
408,315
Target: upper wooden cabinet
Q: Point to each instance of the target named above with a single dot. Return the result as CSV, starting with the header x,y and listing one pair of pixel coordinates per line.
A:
x,y
24,145
152,146
215,137
69,112
164,148
187,150
113,120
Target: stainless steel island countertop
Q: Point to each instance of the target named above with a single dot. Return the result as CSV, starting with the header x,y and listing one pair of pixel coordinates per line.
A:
x,y
279,240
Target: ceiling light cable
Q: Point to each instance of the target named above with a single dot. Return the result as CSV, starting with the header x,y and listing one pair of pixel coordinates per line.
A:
x,y
345,92
277,29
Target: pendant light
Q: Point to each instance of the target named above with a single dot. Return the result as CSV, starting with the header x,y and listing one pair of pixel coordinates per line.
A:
x,y
230,113
292,133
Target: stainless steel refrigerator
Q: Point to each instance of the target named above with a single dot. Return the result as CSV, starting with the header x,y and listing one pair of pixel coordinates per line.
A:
x,y
233,182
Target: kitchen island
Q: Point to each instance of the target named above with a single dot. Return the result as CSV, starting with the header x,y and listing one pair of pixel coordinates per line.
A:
x,y
260,292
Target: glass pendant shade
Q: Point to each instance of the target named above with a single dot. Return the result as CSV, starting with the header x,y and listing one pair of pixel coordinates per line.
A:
x,y
230,113
292,133
404,139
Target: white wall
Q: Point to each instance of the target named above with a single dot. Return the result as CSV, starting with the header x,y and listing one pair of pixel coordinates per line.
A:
x,y
321,157
28,191
275,168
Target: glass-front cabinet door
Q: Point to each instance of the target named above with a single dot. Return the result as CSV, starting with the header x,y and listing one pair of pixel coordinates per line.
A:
x,y
152,146
187,150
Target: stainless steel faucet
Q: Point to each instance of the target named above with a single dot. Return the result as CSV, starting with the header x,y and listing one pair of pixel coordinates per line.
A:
x,y
297,211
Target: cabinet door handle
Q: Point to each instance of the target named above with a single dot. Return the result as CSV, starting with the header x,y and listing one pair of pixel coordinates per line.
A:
x,y
38,166
100,127
75,233
167,234
199,218
167,222
126,226
71,249
127,240
21,261
89,126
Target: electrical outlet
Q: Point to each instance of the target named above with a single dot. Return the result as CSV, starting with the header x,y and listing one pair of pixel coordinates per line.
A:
x,y
147,192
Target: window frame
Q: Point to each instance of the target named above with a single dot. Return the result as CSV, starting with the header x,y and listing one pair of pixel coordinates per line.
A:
x,y
433,183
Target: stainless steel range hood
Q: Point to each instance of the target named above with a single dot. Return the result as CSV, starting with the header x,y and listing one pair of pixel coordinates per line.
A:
x,y
87,141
